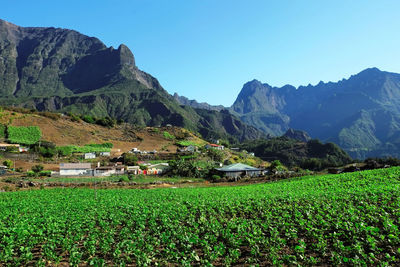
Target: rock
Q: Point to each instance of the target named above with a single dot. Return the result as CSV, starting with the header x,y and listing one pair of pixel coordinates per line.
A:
x,y
297,135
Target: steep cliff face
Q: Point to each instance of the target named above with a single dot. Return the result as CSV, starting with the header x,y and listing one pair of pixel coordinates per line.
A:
x,y
352,112
63,70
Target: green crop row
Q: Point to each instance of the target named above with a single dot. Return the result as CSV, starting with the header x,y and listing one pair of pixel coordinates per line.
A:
x,y
347,219
24,135
90,148
186,143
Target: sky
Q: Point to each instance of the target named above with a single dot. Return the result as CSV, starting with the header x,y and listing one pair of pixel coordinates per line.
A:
x,y
207,49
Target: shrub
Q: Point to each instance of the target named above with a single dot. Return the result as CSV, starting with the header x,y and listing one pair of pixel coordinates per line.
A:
x,y
8,163
37,168
64,151
107,122
30,173
45,173
129,159
124,179
88,119
167,135
215,178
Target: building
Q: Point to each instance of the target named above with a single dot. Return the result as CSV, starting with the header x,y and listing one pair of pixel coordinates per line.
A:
x,y
4,147
105,154
75,169
90,155
135,170
22,149
108,170
238,170
158,169
215,146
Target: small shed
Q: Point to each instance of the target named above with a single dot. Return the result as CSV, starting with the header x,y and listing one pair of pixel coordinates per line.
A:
x,y
105,154
75,169
239,169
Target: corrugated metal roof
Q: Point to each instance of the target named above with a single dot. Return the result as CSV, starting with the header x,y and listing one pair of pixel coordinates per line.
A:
x,y
237,167
64,166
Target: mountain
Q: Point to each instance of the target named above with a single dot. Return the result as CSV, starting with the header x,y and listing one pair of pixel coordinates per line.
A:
x,y
312,154
65,71
297,135
194,104
361,114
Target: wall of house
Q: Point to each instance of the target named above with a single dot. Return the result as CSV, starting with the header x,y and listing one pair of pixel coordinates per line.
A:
x,y
72,172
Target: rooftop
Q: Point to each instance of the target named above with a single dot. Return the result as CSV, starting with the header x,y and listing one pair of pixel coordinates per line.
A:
x,y
64,166
237,167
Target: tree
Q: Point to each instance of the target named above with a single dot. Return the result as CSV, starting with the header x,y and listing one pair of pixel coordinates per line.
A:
x,y
216,155
130,159
8,163
37,168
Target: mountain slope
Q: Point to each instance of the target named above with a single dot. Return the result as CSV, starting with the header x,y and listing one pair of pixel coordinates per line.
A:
x,y
361,114
62,70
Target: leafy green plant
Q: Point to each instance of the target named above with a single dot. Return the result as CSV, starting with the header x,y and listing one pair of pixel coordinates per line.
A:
x,y
345,219
8,163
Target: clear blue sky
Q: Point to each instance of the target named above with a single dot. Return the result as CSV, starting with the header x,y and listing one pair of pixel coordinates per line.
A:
x,y
207,49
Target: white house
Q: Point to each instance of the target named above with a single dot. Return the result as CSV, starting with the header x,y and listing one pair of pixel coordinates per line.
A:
x,y
215,146
157,169
23,149
90,155
133,169
105,154
75,169
3,147
108,170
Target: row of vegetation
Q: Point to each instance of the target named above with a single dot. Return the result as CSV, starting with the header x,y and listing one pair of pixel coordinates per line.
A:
x,y
346,219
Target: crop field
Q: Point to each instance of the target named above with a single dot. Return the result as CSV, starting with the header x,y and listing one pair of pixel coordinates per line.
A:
x,y
24,135
350,219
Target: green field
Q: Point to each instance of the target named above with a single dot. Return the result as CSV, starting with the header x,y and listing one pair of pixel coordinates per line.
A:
x,y
349,219
24,135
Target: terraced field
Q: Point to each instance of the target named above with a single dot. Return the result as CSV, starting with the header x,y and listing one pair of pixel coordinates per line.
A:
x,y
334,219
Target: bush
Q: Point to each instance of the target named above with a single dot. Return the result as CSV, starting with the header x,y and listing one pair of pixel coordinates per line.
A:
x,y
106,122
215,178
45,173
37,168
129,159
124,179
30,173
167,135
64,151
88,119
8,163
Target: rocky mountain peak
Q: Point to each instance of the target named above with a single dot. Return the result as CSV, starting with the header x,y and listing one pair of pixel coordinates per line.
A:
x,y
126,55
297,135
